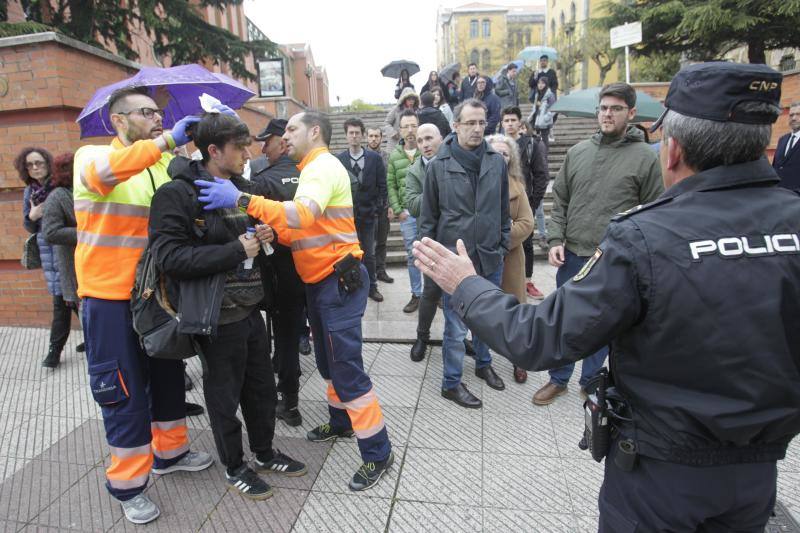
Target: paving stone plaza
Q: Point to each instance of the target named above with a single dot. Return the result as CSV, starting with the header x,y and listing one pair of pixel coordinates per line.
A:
x,y
507,467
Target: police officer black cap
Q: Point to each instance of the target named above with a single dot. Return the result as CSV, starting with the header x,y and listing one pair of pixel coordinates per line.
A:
x,y
713,90
276,126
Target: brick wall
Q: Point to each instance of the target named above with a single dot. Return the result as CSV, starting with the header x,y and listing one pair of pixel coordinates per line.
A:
x,y
23,297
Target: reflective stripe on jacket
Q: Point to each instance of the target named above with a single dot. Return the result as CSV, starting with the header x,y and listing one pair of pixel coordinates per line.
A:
x,y
112,190
318,224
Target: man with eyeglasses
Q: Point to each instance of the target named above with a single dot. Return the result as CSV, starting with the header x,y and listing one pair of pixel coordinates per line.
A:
x,y
465,196
609,173
142,399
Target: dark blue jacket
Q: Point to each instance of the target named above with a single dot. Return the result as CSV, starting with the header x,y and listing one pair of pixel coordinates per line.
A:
x,y
787,165
371,194
49,263
493,106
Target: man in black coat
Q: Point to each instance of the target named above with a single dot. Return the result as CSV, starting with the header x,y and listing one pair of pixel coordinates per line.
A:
x,y
485,93
465,195
430,115
366,166
469,82
786,160
278,181
544,71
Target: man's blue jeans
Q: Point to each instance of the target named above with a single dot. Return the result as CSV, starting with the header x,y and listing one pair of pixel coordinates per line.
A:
x,y
540,226
560,376
455,331
408,228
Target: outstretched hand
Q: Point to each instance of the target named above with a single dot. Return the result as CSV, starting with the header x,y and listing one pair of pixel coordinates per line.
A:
x,y
444,267
218,194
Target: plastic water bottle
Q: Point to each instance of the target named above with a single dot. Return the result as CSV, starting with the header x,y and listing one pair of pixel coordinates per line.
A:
x,y
248,263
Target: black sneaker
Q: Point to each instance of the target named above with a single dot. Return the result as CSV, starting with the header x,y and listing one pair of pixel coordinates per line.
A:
x,y
81,347
370,473
282,464
247,482
384,277
325,432
412,305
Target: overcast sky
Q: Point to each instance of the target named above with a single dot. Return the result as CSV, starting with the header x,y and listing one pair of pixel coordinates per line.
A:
x,y
354,39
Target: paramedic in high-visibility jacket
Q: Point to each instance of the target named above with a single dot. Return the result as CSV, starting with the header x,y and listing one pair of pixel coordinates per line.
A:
x,y
142,399
319,227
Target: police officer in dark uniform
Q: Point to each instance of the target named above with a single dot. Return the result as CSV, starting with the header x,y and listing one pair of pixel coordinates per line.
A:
x,y
698,294
278,181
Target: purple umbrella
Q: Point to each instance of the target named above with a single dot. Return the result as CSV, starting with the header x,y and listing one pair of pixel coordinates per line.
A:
x,y
184,83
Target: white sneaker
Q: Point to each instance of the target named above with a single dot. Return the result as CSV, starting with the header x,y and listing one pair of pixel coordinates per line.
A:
x,y
191,462
140,510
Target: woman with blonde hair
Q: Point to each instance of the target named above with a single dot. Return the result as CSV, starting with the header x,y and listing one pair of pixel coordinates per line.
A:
x,y
521,226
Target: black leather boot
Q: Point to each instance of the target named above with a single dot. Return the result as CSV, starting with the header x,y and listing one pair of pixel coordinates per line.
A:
x,y
287,410
53,357
419,348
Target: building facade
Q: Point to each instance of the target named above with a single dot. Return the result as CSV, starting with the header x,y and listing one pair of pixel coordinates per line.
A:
x,y
566,27
488,35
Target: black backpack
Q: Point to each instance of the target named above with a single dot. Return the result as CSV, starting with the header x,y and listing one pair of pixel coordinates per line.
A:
x,y
164,332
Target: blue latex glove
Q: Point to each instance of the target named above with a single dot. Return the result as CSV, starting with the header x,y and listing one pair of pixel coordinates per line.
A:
x,y
179,130
225,110
219,193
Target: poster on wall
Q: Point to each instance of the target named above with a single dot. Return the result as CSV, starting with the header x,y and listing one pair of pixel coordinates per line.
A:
x,y
271,78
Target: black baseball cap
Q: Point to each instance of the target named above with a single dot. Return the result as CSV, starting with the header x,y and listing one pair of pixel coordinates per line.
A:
x,y
276,126
712,91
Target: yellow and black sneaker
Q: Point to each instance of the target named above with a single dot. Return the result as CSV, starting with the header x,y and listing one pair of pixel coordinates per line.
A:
x,y
326,432
370,473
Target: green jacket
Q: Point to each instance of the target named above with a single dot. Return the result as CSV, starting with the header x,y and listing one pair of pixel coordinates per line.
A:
x,y
599,178
415,179
396,177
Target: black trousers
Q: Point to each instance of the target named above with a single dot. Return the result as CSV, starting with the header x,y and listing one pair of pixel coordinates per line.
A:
x,y
288,324
366,229
62,322
527,247
237,371
431,293
381,234
661,496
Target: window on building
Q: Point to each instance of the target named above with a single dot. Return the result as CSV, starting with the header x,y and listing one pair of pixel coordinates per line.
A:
x,y
473,29
487,27
788,62
486,60
562,19
527,37
552,28
474,57
572,12
519,38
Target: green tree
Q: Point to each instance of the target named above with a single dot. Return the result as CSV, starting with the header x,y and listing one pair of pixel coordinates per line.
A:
x,y
708,29
661,67
176,26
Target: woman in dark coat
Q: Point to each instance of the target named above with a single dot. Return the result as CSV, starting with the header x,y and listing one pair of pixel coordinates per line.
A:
x,y
34,167
60,229
402,82
434,81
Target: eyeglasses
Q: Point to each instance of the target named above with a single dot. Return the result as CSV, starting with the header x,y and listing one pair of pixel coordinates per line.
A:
x,y
612,108
474,124
35,164
146,112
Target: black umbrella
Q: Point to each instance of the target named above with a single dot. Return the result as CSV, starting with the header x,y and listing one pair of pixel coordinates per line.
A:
x,y
449,71
393,69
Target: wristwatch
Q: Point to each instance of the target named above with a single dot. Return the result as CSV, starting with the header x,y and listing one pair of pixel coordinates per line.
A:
x,y
243,202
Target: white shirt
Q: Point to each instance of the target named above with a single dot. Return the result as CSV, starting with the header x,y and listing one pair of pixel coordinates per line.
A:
x,y
791,141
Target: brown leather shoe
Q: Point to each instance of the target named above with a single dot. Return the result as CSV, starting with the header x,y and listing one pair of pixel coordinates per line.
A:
x,y
548,394
520,374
